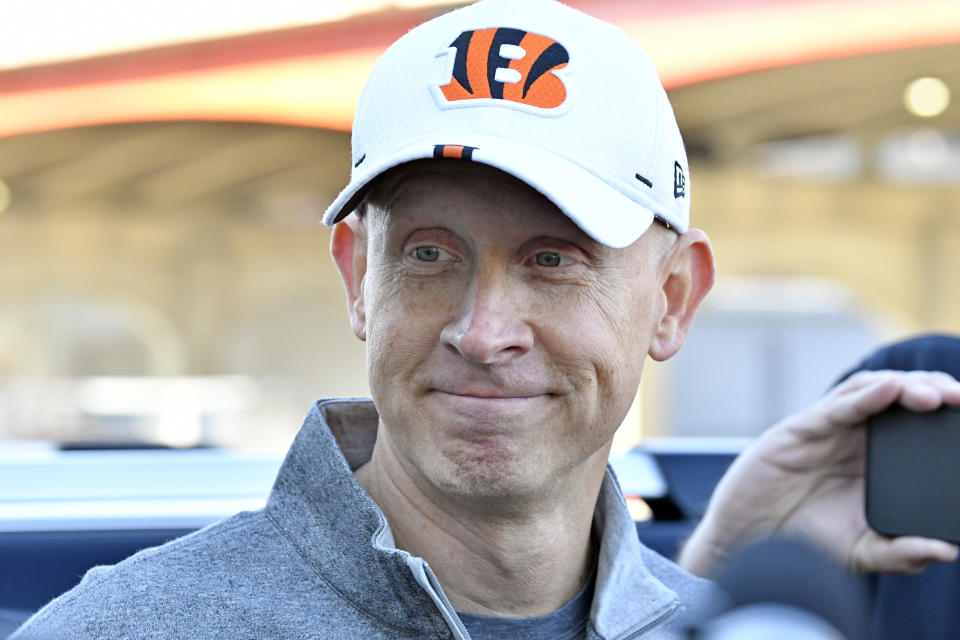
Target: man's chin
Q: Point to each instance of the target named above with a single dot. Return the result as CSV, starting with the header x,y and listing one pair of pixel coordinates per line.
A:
x,y
501,497
468,476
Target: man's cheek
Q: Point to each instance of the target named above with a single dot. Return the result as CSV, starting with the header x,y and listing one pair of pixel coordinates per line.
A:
x,y
399,341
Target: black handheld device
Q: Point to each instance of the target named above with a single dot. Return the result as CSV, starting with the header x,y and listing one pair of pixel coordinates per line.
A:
x,y
913,473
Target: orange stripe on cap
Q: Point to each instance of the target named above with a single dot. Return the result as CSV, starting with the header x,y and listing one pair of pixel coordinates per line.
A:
x,y
454,151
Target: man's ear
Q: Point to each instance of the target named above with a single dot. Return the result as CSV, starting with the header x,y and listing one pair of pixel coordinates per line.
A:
x,y
690,273
348,246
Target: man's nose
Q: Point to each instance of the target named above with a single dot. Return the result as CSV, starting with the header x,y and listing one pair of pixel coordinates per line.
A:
x,y
490,326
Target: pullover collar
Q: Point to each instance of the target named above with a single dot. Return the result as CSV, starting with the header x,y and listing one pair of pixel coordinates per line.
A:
x,y
338,529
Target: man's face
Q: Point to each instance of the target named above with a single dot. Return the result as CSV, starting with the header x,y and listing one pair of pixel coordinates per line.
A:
x,y
504,345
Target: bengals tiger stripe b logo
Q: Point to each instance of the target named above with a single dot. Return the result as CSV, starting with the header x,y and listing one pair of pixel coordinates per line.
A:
x,y
507,64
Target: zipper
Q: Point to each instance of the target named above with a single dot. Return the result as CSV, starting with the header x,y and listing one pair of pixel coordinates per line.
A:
x,y
653,623
427,580
425,577
453,620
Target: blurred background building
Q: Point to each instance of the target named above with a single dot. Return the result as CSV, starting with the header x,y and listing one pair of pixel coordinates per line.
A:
x,y
163,167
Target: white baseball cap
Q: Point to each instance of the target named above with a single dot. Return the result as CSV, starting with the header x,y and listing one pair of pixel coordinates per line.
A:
x,y
566,103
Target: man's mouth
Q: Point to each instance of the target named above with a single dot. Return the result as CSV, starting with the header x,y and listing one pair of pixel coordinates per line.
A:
x,y
490,394
484,406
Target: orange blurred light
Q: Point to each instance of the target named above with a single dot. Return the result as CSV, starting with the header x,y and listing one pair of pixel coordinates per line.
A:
x,y
639,510
319,91
322,89
705,45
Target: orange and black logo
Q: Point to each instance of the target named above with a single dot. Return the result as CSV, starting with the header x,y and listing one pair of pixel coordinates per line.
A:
x,y
455,151
507,64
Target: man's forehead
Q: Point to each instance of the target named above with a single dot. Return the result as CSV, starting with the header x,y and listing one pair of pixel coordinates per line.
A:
x,y
449,189
437,171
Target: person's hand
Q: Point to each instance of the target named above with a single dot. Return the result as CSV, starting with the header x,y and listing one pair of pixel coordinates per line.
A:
x,y
805,477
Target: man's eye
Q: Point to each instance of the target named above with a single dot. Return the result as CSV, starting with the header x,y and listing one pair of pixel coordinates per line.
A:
x,y
551,259
427,254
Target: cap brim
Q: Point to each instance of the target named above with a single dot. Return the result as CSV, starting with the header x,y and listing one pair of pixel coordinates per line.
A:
x,y
598,208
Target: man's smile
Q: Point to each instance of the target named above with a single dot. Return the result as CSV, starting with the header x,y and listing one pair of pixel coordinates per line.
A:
x,y
480,403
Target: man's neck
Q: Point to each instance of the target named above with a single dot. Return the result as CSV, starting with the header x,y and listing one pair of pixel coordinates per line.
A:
x,y
518,565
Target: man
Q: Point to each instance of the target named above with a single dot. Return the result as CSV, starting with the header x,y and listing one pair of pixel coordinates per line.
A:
x,y
513,242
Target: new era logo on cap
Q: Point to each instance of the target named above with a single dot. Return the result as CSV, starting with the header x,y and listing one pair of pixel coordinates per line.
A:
x,y
679,181
507,64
